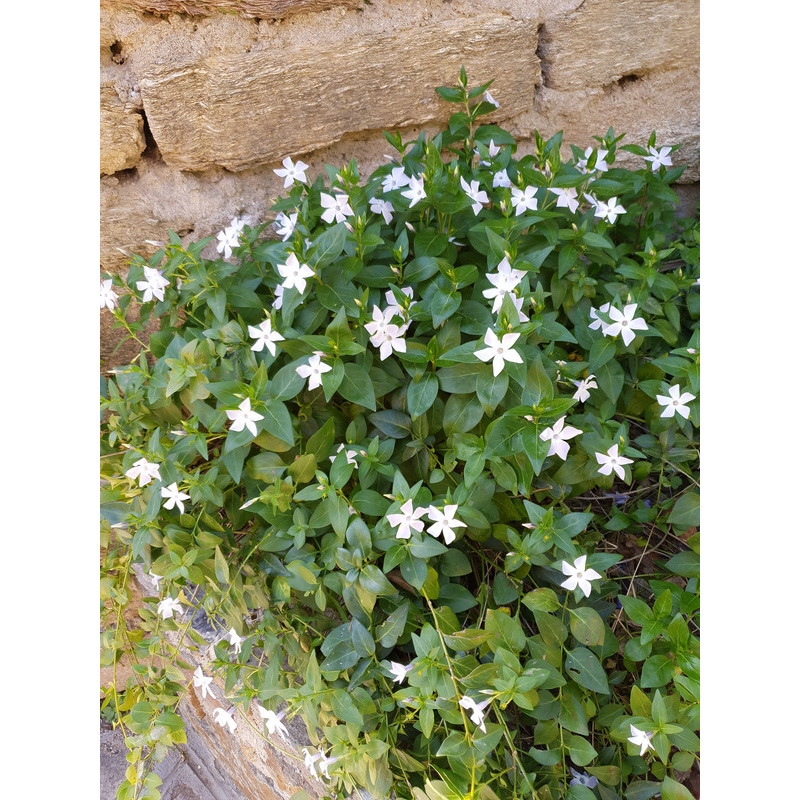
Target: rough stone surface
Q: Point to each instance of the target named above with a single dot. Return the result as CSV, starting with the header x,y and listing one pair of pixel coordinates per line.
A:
x,y
231,110
121,132
269,9
604,40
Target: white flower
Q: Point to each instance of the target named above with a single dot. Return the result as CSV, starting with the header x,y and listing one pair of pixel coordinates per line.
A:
x,y
567,198
499,350
313,371
278,302
144,470
168,606
408,519
350,455
582,393
477,714
235,640
675,402
173,497
582,779
493,150
608,211
612,461
108,296
285,225
388,339
379,206
415,192
624,323
396,180
294,273
560,363
599,166
476,194
273,721
311,763
202,682
641,739
243,417
223,718
489,99
504,280
337,207
557,436
228,239
291,172
598,323
659,158
523,200
579,575
153,285
399,671
393,308
264,336
443,523
501,179
156,580
518,301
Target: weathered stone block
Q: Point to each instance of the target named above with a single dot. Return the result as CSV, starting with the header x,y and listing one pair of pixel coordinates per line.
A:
x,y
240,110
268,9
121,132
604,40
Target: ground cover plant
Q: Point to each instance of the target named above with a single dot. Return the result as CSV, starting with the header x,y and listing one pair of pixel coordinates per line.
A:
x,y
430,461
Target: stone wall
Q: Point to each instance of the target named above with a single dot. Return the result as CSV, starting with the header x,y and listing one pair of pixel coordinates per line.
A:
x,y
200,100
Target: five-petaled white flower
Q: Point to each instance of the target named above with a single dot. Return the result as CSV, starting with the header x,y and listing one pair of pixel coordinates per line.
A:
x,y
153,285
393,308
399,671
396,180
612,461
489,99
291,172
476,194
501,179
499,350
567,198
337,207
173,497
641,739
659,158
523,200
313,370
350,455
599,165
608,210
380,206
264,336
108,296
477,714
504,280
223,718
582,393
235,640
273,721
144,470
203,682
408,518
675,402
227,239
156,580
557,436
388,337
312,766
294,273
243,417
579,575
169,606
582,779
285,225
443,523
623,322
415,191
598,323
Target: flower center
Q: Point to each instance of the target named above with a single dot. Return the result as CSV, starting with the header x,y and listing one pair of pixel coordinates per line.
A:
x,y
624,322
675,402
579,575
499,351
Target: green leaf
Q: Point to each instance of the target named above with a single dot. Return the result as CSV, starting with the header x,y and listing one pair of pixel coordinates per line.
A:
x,y
221,566
492,390
601,352
610,378
320,443
585,669
277,421
541,600
356,386
373,580
580,751
461,413
328,246
443,306
642,790
363,642
303,468
538,386
216,302
686,511
466,639
672,790
390,630
506,631
332,379
392,423
587,626
571,714
343,656
657,671
421,394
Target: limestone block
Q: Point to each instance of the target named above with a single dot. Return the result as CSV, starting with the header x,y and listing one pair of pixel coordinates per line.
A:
x,y
238,110
121,132
603,40
268,9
